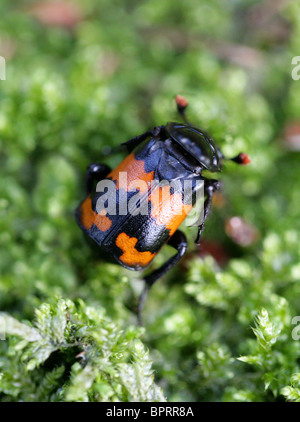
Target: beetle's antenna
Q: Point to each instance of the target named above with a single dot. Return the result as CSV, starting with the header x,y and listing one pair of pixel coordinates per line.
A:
x,y
182,104
242,159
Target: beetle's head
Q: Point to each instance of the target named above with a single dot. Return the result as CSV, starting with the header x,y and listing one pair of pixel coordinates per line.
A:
x,y
198,144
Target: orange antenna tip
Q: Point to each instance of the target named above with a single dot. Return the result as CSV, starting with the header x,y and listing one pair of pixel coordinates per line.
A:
x,y
181,102
242,159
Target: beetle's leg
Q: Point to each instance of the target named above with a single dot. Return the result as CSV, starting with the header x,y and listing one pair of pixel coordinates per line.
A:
x,y
177,241
95,173
158,132
210,186
132,143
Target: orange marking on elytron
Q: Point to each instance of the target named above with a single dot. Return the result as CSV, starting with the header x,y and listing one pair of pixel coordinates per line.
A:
x,y
136,172
131,256
89,217
168,209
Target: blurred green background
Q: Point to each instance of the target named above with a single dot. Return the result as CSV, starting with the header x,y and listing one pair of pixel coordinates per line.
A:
x,y
83,77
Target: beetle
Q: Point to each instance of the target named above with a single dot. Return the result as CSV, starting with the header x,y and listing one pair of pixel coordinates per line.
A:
x,y
176,152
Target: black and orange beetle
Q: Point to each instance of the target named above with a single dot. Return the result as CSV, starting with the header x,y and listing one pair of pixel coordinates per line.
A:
x,y
174,152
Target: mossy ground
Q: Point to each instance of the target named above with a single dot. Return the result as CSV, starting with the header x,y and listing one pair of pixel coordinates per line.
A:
x,y
71,96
